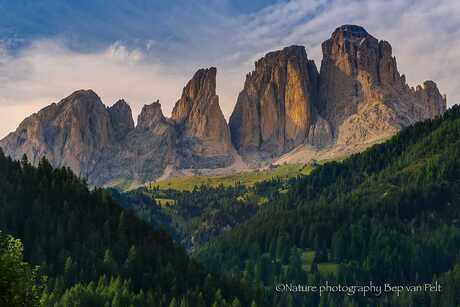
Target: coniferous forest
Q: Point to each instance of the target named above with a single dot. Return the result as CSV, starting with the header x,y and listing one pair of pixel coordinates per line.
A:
x,y
64,245
388,215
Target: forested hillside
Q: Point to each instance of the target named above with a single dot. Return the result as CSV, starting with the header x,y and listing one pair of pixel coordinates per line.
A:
x,y
197,216
92,252
389,214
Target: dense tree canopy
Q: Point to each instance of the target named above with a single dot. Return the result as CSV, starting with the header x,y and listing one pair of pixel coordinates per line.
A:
x,y
389,214
94,252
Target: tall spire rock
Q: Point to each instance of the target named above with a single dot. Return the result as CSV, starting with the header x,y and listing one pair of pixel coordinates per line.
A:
x,y
121,118
204,137
362,94
276,110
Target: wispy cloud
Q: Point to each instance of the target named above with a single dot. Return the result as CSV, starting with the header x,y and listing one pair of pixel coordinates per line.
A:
x,y
425,34
47,71
153,60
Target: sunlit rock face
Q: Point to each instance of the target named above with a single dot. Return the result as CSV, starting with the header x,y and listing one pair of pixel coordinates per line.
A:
x,y
362,94
358,97
276,111
203,134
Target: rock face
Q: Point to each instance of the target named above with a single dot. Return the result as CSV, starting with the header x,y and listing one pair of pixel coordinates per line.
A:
x,y
362,94
358,97
286,106
143,154
277,109
203,134
103,145
121,119
73,131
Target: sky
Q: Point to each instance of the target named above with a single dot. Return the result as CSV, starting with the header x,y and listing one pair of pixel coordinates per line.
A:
x,y
144,50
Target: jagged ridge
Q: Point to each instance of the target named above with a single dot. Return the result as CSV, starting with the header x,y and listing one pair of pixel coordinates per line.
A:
x,y
286,106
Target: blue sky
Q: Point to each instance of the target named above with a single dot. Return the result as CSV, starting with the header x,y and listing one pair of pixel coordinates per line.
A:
x,y
142,50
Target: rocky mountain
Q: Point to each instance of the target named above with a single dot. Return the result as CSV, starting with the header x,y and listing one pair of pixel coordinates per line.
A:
x,y
288,111
358,98
143,154
204,137
103,145
362,94
121,119
75,131
277,109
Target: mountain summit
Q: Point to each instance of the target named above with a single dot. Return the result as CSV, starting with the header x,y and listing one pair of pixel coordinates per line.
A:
x,y
277,109
362,94
103,145
203,132
358,98
288,111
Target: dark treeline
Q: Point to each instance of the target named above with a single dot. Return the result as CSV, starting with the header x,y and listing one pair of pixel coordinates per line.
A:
x,y
92,252
389,215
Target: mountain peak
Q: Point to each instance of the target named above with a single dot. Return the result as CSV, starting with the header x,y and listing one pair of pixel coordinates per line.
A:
x,y
351,30
83,94
150,115
275,109
201,124
278,57
202,83
121,103
201,89
293,50
121,118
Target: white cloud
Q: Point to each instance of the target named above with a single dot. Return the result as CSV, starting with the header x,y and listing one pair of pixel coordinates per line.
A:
x,y
46,72
425,36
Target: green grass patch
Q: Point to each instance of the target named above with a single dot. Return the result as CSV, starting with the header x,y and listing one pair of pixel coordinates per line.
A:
x,y
165,201
328,268
307,258
248,179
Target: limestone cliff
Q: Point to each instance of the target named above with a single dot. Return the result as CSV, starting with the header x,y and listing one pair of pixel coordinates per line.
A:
x,y
286,108
203,134
143,154
103,145
72,132
362,94
276,111
121,119
358,98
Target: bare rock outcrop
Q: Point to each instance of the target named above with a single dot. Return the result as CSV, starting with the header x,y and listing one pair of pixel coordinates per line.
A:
x,y
103,145
72,132
276,111
359,97
286,106
203,134
121,118
143,154
362,94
